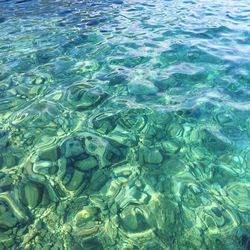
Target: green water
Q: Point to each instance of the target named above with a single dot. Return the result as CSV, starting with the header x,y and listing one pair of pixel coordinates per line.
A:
x,y
124,124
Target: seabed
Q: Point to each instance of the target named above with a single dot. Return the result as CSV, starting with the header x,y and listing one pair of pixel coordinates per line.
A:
x,y
124,125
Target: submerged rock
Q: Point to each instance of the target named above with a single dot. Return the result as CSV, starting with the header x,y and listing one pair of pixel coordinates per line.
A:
x,y
83,96
152,156
86,214
7,220
142,88
32,194
133,119
133,219
98,180
50,154
170,147
45,167
72,148
86,164
76,180
105,151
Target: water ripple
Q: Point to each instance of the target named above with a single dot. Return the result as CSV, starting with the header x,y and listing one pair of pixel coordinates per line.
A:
x,y
124,124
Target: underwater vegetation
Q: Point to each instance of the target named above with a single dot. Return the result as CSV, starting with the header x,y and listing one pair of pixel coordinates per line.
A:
x,y
124,125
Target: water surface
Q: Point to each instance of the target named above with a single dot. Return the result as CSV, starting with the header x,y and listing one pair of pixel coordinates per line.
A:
x,y
124,124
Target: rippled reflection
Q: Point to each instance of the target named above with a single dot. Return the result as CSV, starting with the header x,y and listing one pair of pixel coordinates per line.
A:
x,y
124,124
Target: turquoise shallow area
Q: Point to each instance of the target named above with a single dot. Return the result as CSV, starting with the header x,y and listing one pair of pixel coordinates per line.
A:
x,y
124,124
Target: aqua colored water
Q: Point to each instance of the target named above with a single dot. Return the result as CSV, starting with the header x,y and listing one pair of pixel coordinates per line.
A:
x,y
125,124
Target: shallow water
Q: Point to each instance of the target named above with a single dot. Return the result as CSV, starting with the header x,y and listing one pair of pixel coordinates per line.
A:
x,y
124,124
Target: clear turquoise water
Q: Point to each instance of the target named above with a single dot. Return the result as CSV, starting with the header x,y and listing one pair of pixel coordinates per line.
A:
x,y
125,124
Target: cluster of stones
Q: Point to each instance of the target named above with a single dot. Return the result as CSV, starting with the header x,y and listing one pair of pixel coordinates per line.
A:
x,y
132,179
122,187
